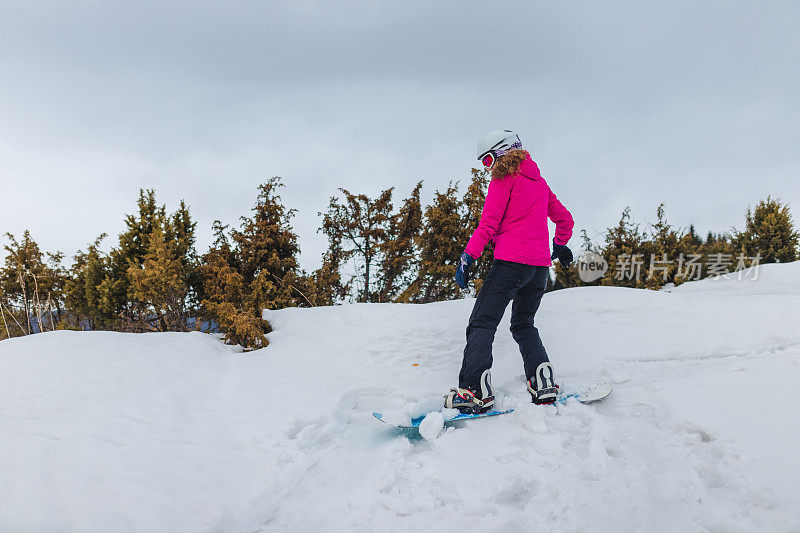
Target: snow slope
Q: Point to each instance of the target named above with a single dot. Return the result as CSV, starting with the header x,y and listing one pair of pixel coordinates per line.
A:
x,y
178,432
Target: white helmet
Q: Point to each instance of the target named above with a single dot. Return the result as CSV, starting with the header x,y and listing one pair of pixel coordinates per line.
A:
x,y
496,143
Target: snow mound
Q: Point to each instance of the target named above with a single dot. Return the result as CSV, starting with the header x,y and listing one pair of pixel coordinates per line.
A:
x,y
177,432
432,425
772,279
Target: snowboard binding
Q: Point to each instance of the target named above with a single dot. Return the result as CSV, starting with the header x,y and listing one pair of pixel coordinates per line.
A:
x,y
467,400
542,387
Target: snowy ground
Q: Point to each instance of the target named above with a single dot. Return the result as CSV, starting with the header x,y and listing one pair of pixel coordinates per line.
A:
x,y
177,432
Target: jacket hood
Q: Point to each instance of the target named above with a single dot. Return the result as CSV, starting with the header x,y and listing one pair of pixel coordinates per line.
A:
x,y
529,168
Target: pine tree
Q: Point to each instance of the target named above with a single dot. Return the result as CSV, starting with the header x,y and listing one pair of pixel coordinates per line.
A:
x,y
180,233
769,231
228,305
570,277
83,299
115,289
161,282
690,245
266,248
102,294
440,243
473,202
692,239
623,244
361,224
324,285
666,247
31,287
717,243
253,269
399,249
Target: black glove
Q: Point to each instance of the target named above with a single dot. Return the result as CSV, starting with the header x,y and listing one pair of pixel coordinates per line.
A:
x,y
562,253
462,272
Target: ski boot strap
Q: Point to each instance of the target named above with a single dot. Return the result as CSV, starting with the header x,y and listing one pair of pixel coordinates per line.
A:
x,y
469,396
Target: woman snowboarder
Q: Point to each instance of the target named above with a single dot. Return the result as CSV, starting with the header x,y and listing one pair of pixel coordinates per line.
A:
x,y
514,218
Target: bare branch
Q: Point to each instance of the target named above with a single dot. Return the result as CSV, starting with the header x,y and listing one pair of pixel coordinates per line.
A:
x,y
15,318
38,303
8,333
280,282
50,312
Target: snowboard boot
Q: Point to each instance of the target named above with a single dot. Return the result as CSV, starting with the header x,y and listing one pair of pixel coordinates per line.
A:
x,y
542,387
472,401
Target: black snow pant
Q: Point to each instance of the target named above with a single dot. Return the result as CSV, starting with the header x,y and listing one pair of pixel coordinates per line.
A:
x,y
506,281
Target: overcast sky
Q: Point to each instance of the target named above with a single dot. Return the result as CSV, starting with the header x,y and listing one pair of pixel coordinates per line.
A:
x,y
694,104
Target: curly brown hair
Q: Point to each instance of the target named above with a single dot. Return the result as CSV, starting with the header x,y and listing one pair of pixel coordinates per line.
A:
x,y
508,164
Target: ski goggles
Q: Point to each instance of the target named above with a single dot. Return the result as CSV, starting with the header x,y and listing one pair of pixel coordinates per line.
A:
x,y
488,160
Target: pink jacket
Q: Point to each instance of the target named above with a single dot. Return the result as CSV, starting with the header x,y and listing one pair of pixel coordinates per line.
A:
x,y
515,216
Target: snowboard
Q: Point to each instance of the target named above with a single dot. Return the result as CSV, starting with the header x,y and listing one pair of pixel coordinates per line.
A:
x,y
593,394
